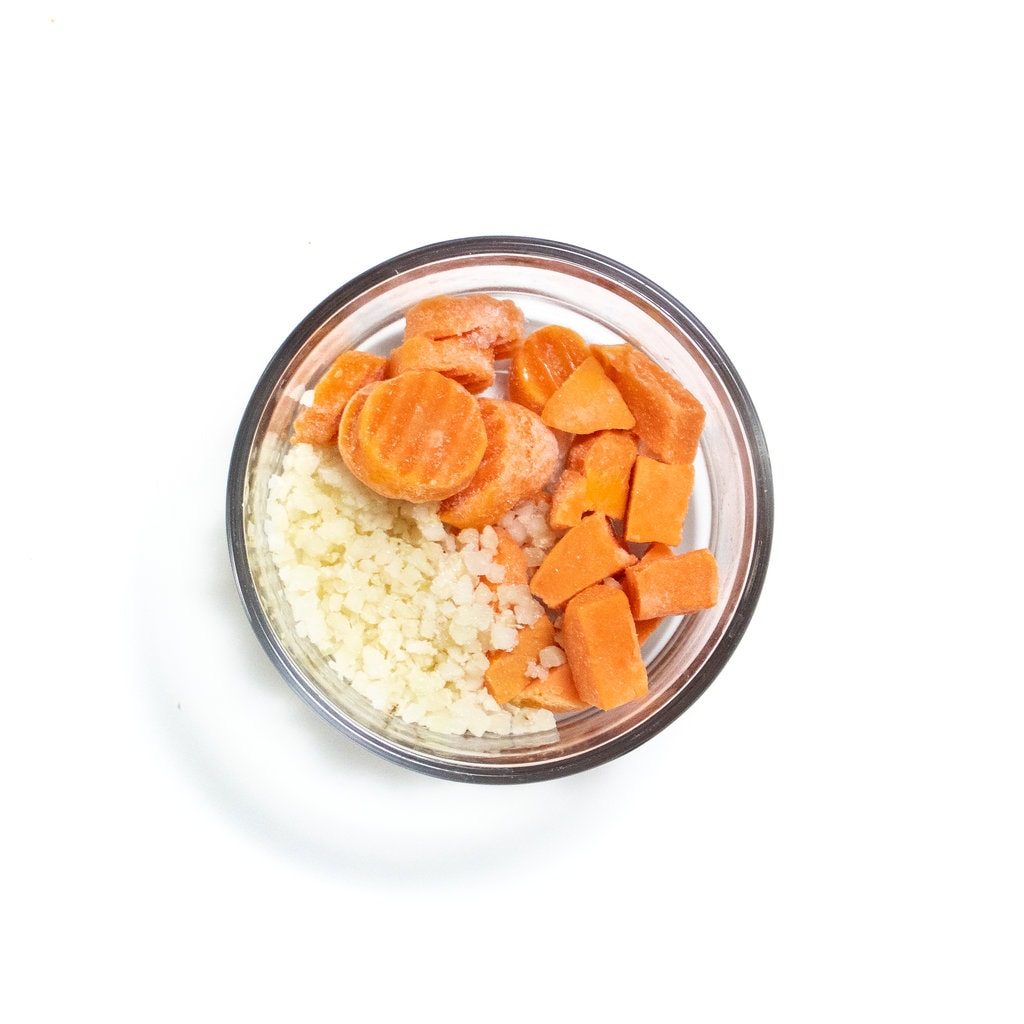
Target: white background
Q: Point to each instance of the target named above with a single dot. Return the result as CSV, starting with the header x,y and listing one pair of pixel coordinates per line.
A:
x,y
832,833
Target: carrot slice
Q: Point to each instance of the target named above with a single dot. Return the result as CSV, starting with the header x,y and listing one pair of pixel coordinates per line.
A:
x,y
680,585
318,423
602,649
587,402
543,363
482,320
520,456
585,555
659,496
505,676
669,419
418,436
461,360
556,693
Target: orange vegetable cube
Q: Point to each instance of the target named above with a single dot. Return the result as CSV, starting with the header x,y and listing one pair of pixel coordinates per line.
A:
x,y
505,676
680,585
543,363
659,496
556,693
585,555
587,402
318,423
606,460
568,500
602,649
645,627
669,419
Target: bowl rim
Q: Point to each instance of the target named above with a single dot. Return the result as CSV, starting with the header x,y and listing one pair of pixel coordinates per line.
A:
x,y
586,259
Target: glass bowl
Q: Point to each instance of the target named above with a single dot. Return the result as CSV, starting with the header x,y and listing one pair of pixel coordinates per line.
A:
x,y
730,512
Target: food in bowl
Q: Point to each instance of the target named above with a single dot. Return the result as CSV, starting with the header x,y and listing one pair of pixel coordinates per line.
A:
x,y
577,306
397,521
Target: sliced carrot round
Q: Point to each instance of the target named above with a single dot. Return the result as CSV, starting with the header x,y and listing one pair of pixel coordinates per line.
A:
x,y
543,363
520,457
461,360
418,436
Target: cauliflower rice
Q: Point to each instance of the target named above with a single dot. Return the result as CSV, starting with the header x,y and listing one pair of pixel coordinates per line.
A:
x,y
400,606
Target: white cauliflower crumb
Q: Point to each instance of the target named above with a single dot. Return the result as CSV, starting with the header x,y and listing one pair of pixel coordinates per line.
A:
x,y
403,611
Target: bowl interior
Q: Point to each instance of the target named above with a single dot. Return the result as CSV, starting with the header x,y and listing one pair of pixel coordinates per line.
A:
x,y
730,510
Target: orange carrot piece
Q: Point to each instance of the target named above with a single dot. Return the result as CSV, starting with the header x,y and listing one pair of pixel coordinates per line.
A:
x,y
585,555
602,649
543,363
520,456
680,585
318,423
556,693
505,676
669,419
418,436
659,496
587,402
461,360
482,320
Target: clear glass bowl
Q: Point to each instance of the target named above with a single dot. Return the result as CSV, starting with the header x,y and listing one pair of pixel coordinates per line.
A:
x,y
731,510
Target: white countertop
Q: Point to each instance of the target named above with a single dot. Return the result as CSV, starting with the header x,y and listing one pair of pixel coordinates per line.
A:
x,y
832,832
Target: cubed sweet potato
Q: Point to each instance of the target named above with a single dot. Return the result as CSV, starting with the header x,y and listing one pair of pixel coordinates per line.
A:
x,y
654,552
659,496
587,554
602,649
587,402
505,676
680,585
556,693
669,419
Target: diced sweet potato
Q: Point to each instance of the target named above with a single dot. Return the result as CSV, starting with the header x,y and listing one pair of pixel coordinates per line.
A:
x,y
645,627
418,436
606,460
587,402
461,360
595,478
669,419
505,676
659,496
556,693
543,363
482,320
512,557
568,500
585,555
680,585
602,649
318,423
520,456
